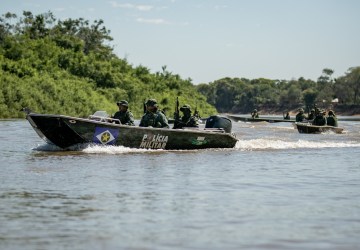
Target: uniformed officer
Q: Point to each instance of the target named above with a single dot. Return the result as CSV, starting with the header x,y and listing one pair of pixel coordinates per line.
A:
x,y
187,120
153,117
124,115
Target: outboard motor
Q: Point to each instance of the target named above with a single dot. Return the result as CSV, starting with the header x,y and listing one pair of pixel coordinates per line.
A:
x,y
219,122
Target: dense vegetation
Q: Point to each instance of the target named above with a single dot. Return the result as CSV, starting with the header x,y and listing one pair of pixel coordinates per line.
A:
x,y
68,67
242,95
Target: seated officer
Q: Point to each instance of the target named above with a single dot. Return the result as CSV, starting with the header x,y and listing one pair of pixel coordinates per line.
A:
x,y
124,115
332,119
320,119
187,120
254,114
153,117
311,115
300,116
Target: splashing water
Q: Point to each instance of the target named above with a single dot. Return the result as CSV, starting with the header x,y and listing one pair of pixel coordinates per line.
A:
x,y
243,145
280,144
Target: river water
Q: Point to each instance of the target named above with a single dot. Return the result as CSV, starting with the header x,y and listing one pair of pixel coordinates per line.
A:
x,y
277,189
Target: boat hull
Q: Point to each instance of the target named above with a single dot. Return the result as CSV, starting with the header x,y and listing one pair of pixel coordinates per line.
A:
x,y
66,131
306,128
262,119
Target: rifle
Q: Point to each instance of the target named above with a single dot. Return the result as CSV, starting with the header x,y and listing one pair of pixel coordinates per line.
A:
x,y
144,106
176,113
196,113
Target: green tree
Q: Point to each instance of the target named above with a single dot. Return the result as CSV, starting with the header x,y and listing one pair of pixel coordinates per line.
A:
x,y
325,86
348,86
309,97
68,67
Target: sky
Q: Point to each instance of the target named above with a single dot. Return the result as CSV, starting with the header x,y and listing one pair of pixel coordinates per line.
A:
x,y
206,40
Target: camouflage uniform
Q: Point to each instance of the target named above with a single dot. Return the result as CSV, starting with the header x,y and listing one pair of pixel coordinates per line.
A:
x,y
125,117
320,119
300,116
255,114
312,115
332,119
154,119
187,120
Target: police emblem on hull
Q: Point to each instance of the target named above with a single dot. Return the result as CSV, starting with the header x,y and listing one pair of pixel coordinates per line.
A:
x,y
105,136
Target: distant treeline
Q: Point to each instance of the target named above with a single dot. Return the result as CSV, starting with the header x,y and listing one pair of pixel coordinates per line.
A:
x,y
69,67
243,95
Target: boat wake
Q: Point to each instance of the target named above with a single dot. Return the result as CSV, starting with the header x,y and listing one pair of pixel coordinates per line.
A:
x,y
92,149
243,145
103,149
260,144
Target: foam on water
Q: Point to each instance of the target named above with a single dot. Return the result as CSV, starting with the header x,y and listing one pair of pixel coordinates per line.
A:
x,y
253,144
92,149
280,144
103,149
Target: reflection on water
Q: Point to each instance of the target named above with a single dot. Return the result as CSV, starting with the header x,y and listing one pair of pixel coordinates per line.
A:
x,y
42,204
277,189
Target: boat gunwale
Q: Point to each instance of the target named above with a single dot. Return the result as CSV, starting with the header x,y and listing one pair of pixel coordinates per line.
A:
x,y
191,130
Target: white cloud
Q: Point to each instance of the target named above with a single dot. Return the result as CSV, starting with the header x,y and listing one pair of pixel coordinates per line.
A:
x,y
131,6
152,21
144,7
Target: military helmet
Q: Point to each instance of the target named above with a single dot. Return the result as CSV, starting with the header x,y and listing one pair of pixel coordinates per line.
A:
x,y
331,112
301,110
185,107
255,110
151,102
123,103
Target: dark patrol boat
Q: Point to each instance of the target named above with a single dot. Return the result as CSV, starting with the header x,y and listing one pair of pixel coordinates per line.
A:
x,y
66,132
307,128
262,119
